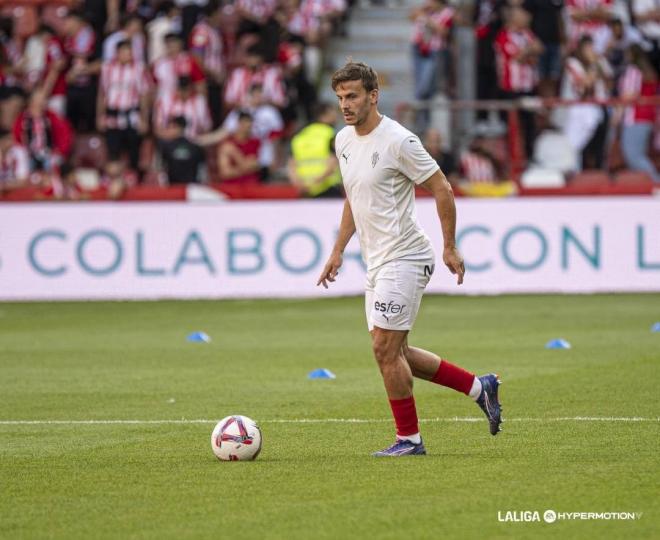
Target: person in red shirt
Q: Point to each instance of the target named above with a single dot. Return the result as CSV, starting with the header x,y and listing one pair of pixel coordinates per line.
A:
x,y
517,51
238,156
46,135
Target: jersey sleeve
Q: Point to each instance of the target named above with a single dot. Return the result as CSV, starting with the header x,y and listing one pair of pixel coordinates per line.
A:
x,y
415,162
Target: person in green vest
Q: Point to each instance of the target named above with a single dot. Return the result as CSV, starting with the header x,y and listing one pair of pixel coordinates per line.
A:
x,y
313,166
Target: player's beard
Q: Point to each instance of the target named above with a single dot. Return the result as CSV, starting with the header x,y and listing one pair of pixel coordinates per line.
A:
x,y
358,117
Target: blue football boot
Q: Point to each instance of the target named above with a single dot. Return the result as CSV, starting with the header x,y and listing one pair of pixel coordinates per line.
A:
x,y
489,403
402,448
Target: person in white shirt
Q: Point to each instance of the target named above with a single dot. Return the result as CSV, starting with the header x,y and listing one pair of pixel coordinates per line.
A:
x,y
381,162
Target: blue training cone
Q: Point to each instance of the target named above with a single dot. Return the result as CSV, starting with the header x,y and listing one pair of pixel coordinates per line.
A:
x,y
321,374
199,337
558,344
655,327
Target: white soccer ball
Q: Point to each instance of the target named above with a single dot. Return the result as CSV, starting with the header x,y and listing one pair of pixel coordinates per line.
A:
x,y
236,438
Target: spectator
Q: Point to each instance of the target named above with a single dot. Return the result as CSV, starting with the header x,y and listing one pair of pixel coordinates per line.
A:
x,y
586,77
432,22
487,24
313,166
175,64
187,103
122,104
255,71
14,162
257,19
587,17
478,164
639,80
190,11
547,25
81,80
647,18
618,38
182,159
517,51
434,146
167,22
267,126
303,27
12,94
131,31
45,62
117,179
65,186
206,46
238,161
46,135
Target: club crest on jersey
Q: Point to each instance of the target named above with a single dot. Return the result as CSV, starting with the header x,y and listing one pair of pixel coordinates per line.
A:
x,y
374,159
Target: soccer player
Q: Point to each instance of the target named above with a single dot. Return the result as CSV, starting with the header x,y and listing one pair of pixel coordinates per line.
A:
x,y
381,163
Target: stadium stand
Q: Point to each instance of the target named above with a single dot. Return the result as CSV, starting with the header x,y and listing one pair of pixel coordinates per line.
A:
x,y
458,52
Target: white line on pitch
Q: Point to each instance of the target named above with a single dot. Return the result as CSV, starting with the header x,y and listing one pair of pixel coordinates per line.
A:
x,y
327,420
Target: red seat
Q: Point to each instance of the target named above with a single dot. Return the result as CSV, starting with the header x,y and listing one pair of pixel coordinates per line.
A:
x,y
634,180
591,180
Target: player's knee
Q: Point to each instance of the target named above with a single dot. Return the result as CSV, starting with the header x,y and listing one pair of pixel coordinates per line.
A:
x,y
383,353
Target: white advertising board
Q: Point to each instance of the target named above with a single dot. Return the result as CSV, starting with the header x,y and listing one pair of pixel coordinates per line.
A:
x,y
277,249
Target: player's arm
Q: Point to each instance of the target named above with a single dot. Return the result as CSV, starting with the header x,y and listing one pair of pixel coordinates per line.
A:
x,y
346,231
441,190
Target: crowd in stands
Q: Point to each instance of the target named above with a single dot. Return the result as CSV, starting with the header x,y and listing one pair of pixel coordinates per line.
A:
x,y
569,49
119,93
157,91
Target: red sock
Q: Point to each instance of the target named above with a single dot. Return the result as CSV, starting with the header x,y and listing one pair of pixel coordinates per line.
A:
x,y
454,377
405,416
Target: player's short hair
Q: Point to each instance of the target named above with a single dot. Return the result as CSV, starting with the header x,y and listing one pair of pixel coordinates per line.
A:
x,y
356,71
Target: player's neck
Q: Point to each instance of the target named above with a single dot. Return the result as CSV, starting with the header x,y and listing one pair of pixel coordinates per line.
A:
x,y
370,124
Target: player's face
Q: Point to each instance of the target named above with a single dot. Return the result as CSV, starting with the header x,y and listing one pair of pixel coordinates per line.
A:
x,y
355,102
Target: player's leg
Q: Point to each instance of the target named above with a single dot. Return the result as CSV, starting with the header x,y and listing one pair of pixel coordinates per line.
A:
x,y
484,390
387,348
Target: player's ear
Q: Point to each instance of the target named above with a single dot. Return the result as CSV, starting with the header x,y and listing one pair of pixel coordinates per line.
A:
x,y
373,96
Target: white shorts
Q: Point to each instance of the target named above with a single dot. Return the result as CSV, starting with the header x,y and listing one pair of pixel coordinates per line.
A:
x,y
394,293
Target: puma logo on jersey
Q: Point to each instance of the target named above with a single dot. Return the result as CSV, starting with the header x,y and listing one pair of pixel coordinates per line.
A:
x,y
374,159
346,157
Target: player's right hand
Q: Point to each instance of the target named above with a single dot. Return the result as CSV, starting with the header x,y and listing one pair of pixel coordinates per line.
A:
x,y
330,270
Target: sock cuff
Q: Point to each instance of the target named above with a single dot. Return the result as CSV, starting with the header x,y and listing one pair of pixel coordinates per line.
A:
x,y
454,377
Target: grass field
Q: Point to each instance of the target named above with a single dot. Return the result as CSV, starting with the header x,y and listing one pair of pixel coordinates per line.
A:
x,y
130,361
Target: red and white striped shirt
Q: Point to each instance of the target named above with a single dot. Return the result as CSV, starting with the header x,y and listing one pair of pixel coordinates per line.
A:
x,y
194,109
573,82
302,23
259,9
167,70
54,53
633,85
591,26
513,75
14,164
123,85
478,168
80,48
430,40
206,41
242,78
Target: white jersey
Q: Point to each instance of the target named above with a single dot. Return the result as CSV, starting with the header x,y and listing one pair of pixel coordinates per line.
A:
x,y
380,171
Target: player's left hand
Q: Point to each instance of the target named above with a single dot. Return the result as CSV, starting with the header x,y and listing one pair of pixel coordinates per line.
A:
x,y
454,261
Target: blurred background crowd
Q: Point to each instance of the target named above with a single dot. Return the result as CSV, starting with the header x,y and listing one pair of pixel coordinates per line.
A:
x,y
106,95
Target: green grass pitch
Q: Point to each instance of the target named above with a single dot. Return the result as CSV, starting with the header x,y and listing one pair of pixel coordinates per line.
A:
x,y
131,361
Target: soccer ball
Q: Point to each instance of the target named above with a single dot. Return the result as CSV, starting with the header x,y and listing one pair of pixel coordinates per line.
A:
x,y
236,438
